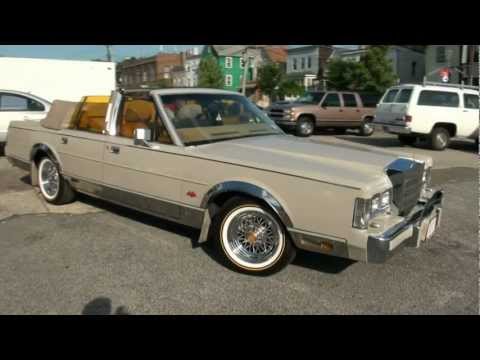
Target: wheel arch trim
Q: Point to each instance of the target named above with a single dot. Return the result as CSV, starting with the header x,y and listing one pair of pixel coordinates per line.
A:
x,y
246,188
47,150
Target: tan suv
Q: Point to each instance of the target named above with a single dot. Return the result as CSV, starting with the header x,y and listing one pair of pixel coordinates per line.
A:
x,y
329,110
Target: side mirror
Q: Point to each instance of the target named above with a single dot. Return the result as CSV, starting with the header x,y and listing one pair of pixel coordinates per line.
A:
x,y
142,137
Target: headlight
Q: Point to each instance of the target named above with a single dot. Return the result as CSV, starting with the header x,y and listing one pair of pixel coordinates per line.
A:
x,y
366,209
427,178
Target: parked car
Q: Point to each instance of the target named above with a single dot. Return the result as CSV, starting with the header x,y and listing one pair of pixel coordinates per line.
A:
x,y
211,160
331,109
432,111
17,106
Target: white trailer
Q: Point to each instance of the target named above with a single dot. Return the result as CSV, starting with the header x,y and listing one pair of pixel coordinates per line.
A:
x,y
53,79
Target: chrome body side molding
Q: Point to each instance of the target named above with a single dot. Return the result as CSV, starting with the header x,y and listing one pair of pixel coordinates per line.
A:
x,y
169,210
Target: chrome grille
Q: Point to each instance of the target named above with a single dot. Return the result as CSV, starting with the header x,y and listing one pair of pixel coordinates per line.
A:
x,y
406,177
276,113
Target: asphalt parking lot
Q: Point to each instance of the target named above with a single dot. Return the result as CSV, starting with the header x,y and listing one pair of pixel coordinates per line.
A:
x,y
94,258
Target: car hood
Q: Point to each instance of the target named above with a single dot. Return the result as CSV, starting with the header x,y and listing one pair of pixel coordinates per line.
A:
x,y
356,166
289,105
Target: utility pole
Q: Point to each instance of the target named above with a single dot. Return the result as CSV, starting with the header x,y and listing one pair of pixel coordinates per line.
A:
x,y
471,58
246,64
245,68
109,53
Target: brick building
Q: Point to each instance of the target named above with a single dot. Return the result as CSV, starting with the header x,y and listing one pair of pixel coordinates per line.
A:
x,y
150,71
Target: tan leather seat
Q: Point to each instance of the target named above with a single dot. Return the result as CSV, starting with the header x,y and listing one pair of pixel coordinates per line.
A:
x,y
138,114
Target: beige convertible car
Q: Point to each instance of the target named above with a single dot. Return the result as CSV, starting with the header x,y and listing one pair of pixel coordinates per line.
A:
x,y
210,159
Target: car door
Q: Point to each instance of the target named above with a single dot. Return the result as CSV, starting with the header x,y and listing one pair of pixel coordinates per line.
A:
x,y
144,178
15,107
351,109
81,146
331,111
468,126
437,106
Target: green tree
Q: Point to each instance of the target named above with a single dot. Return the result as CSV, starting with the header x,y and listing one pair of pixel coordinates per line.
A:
x,y
269,78
374,73
346,75
379,70
290,88
209,73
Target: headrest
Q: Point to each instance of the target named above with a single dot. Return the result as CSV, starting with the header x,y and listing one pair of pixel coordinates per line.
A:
x,y
139,111
60,115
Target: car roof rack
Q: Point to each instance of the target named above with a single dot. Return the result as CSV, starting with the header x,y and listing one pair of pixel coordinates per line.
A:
x,y
461,85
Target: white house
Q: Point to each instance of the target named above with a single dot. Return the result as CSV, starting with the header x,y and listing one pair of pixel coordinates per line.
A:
x,y
408,63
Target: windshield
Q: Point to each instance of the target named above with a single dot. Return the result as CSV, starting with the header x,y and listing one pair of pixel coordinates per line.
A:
x,y
206,118
311,98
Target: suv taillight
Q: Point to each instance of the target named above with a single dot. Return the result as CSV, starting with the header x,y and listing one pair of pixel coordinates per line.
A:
x,y
408,118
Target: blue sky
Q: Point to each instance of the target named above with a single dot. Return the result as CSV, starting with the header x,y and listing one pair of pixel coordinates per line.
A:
x,y
88,52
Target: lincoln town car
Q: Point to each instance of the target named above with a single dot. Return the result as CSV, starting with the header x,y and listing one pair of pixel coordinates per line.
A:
x,y
211,160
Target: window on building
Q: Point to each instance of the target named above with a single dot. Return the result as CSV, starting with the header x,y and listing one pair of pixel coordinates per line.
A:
x,y
475,55
139,112
228,80
19,103
349,100
303,63
309,62
144,76
414,68
242,63
471,101
228,62
331,100
441,54
295,65
438,98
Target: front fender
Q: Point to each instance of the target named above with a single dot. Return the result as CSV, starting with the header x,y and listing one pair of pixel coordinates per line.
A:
x,y
241,187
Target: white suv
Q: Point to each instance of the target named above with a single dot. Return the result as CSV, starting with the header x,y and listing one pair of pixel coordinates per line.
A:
x,y
431,111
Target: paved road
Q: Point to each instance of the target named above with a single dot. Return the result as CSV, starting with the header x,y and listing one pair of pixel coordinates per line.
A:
x,y
95,258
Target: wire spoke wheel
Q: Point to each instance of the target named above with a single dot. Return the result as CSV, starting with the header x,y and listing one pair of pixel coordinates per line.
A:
x,y
49,179
252,238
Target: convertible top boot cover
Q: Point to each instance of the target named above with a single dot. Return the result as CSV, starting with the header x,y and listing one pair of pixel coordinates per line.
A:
x,y
60,115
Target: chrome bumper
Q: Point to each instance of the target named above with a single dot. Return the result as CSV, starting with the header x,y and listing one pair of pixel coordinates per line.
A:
x,y
409,232
393,129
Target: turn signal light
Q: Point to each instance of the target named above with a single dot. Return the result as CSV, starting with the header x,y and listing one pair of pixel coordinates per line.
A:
x,y
408,118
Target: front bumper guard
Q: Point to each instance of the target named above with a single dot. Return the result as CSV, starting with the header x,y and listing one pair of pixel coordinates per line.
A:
x,y
409,232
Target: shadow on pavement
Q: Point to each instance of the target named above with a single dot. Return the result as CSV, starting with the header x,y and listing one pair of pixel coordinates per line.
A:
x,y
460,145
103,306
323,263
143,218
319,262
2,149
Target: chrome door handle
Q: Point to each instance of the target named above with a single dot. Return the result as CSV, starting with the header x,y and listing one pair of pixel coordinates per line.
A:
x,y
114,149
64,140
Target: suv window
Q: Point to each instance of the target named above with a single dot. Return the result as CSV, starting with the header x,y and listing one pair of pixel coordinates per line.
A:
x,y
404,96
390,96
370,100
471,101
141,113
349,100
332,100
9,102
438,98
